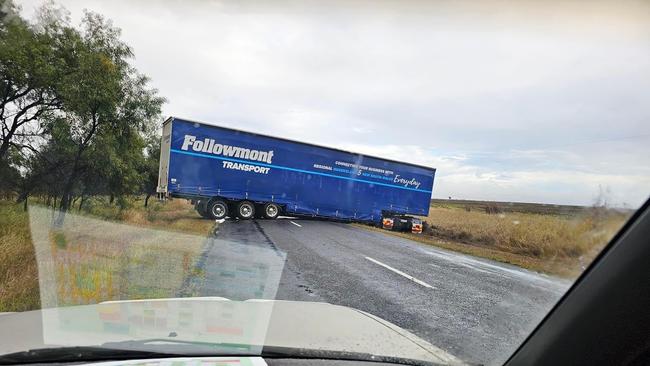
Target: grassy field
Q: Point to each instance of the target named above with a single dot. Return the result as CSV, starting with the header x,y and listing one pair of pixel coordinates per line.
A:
x,y
177,215
553,239
18,270
521,207
95,258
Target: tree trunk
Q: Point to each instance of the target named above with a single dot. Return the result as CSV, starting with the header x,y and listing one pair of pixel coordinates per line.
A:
x,y
66,195
81,203
4,147
22,197
67,188
110,201
146,199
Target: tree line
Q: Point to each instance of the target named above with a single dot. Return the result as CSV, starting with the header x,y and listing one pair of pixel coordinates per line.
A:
x,y
78,120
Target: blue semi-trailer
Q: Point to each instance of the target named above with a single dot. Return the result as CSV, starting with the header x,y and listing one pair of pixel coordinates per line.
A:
x,y
234,173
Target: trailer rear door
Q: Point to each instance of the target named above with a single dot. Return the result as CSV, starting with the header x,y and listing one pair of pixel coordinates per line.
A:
x,y
165,145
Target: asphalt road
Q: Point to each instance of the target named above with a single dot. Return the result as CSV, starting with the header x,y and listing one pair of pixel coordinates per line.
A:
x,y
475,309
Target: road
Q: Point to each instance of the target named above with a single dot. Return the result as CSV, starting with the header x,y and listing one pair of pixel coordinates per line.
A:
x,y
475,309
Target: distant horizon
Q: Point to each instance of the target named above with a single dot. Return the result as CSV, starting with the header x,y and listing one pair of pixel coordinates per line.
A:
x,y
529,203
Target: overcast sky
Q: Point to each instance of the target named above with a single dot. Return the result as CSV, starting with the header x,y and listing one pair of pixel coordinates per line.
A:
x,y
512,101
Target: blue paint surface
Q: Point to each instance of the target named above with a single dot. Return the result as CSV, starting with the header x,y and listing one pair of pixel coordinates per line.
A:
x,y
306,179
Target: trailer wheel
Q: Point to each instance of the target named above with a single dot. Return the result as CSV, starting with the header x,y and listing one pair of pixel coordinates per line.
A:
x,y
271,211
245,210
202,208
217,209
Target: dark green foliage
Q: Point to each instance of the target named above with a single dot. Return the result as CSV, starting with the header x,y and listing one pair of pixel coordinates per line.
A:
x,y
78,120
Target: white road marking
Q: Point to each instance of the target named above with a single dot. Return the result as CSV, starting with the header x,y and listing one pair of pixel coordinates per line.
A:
x,y
482,266
298,225
419,282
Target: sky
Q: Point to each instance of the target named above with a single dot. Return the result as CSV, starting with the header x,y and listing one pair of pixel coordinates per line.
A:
x,y
526,101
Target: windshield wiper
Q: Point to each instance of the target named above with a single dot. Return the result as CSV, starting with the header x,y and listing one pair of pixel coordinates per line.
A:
x,y
127,350
308,353
75,354
179,347
166,348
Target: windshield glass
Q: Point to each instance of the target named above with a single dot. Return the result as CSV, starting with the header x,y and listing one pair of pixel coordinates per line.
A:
x,y
401,181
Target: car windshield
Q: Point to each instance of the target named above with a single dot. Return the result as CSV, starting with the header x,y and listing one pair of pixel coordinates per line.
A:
x,y
401,181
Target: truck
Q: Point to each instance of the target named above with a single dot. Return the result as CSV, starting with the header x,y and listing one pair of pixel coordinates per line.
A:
x,y
232,173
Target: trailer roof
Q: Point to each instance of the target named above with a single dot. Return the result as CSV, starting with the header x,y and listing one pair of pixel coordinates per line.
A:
x,y
295,141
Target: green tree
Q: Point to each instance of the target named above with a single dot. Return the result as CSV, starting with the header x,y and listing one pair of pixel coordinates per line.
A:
x,y
10,174
47,168
75,113
109,104
30,67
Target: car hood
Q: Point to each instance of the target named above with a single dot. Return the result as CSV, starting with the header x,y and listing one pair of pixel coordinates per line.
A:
x,y
246,326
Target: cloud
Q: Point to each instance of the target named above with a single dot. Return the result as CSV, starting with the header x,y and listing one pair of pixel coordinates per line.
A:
x,y
526,101
461,178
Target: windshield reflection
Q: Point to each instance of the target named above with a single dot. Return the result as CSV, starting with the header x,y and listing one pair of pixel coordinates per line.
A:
x,y
82,260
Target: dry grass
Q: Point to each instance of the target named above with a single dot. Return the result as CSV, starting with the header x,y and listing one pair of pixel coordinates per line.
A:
x,y
555,244
104,261
524,207
534,235
178,215
18,273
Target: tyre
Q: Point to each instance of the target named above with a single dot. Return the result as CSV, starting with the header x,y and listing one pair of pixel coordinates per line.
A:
x,y
202,208
259,211
245,210
217,209
401,224
271,211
